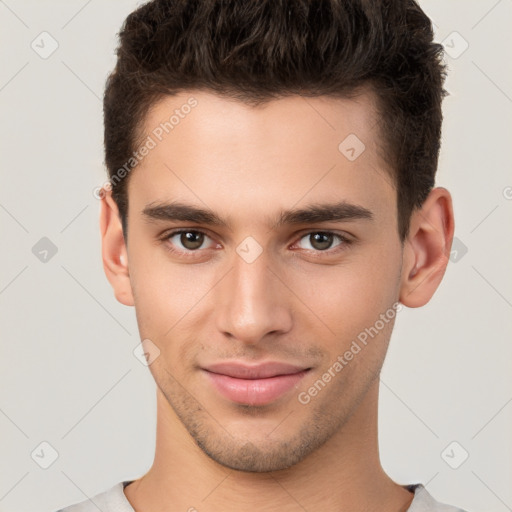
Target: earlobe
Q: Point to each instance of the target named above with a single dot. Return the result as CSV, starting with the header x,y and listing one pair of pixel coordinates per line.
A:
x,y
427,249
113,250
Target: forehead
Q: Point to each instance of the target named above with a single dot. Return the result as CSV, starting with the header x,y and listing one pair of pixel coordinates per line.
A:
x,y
291,118
212,149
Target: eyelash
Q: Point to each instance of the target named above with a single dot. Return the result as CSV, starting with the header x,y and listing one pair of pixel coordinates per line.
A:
x,y
344,242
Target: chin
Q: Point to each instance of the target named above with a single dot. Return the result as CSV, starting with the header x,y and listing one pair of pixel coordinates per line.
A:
x,y
252,459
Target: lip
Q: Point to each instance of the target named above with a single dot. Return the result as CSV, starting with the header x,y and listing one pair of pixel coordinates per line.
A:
x,y
254,384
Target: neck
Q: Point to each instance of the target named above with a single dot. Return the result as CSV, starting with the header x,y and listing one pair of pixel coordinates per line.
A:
x,y
345,474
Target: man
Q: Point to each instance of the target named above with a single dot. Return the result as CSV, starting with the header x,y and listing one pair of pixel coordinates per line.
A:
x,y
270,209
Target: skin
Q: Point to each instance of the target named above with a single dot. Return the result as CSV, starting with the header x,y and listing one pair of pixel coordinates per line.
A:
x,y
295,303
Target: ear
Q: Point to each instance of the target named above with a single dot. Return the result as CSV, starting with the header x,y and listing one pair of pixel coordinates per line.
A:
x,y
113,249
427,248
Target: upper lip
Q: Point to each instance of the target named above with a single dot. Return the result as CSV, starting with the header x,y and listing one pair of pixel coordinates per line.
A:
x,y
259,371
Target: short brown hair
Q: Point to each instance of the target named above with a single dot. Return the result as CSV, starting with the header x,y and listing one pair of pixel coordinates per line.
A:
x,y
259,50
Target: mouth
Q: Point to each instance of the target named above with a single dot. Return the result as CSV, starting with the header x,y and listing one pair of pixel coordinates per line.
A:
x,y
254,385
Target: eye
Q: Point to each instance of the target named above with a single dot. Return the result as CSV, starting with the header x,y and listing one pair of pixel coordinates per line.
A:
x,y
186,240
193,243
322,241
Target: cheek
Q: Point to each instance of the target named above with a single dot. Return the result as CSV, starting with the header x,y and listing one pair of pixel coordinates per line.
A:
x,y
168,296
172,305
346,298
167,301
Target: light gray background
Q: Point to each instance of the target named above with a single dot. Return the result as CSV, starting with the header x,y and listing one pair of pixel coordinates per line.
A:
x,y
68,373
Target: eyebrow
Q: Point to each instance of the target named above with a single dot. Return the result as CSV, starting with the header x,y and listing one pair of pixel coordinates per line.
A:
x,y
313,213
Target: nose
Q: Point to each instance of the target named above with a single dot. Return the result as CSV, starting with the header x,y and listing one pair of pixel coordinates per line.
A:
x,y
252,302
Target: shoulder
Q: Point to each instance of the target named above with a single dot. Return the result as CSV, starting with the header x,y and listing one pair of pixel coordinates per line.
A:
x,y
111,500
423,501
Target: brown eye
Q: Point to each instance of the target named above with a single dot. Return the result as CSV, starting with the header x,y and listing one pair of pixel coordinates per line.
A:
x,y
186,240
191,240
322,241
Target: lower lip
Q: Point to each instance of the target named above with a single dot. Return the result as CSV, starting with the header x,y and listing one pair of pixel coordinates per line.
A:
x,y
254,391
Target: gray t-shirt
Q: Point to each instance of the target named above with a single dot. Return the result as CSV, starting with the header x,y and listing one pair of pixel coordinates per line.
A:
x,y
114,500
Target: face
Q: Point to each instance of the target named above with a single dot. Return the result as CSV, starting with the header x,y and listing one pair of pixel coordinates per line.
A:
x,y
264,262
